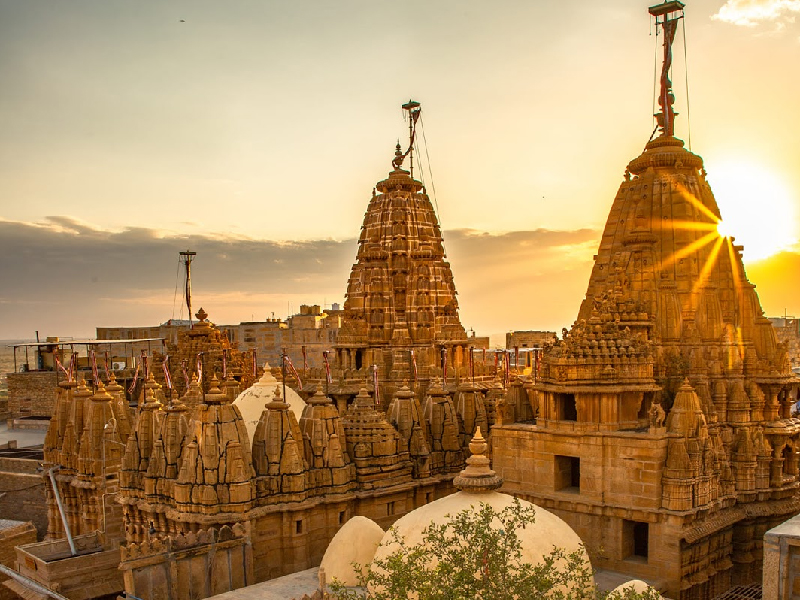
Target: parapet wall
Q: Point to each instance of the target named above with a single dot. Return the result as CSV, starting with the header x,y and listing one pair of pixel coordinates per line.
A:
x,y
194,565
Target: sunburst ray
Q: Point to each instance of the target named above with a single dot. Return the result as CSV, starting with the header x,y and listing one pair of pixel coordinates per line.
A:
x,y
686,250
710,263
694,201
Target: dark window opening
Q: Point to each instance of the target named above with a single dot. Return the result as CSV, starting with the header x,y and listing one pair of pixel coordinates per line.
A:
x,y
641,535
567,408
788,459
390,508
359,359
644,408
298,526
636,540
341,517
568,473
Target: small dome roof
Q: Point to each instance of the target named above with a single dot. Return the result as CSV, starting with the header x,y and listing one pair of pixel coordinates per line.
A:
x,y
548,530
357,542
251,401
478,483
637,585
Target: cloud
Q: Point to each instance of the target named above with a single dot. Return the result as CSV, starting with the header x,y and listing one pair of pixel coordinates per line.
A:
x,y
521,279
750,13
66,277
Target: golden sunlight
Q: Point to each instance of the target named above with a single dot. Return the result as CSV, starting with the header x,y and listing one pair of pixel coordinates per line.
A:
x,y
757,208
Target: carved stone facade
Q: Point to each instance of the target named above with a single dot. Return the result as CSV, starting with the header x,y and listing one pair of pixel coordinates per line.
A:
x,y
401,298
670,327
192,490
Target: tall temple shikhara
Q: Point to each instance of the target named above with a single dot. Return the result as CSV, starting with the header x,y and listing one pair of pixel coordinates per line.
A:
x,y
400,295
400,319
663,434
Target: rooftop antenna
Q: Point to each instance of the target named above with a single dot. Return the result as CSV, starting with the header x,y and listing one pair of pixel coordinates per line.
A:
x,y
667,16
186,258
414,108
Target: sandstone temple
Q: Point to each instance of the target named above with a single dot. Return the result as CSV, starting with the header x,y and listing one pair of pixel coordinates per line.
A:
x,y
400,317
658,427
663,434
181,501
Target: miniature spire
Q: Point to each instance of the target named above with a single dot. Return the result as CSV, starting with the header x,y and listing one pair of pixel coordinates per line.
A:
x,y
666,118
478,476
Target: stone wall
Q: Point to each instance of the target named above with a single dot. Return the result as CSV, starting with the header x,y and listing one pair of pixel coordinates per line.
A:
x,y
22,493
15,534
618,493
189,566
782,561
295,538
31,394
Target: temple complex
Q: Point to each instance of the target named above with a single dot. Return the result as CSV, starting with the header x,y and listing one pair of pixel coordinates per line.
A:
x,y
663,434
214,501
657,429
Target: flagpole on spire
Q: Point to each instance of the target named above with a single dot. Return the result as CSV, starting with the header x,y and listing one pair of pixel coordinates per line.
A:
x,y
413,108
666,16
186,258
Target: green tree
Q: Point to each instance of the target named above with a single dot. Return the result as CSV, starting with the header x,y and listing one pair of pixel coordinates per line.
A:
x,y
475,554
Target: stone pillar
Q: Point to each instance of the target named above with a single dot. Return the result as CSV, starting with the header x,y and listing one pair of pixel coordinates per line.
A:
x,y
773,408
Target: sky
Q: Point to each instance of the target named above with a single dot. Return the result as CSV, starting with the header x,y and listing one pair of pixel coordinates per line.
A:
x,y
254,131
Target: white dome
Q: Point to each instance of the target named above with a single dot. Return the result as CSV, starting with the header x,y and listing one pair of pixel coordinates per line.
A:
x,y
251,401
637,585
356,542
547,532
537,540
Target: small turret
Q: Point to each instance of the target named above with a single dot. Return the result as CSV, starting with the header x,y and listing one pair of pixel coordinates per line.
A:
x,y
216,474
324,443
278,460
381,458
447,455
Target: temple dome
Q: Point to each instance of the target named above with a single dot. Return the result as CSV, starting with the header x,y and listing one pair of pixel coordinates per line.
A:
x,y
355,542
478,484
636,585
251,401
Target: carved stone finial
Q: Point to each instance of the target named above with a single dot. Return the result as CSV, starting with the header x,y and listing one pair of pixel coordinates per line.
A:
x,y
478,477
201,314
398,156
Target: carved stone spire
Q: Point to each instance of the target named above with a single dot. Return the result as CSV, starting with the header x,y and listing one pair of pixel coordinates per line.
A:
x,y
401,293
278,453
447,454
216,474
381,458
405,413
324,443
478,477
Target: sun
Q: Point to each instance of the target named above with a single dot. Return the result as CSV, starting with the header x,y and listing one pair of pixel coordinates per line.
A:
x,y
757,208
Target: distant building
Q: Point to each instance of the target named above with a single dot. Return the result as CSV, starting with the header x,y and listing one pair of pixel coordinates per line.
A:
x,y
787,330
529,339
168,331
265,337
313,328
